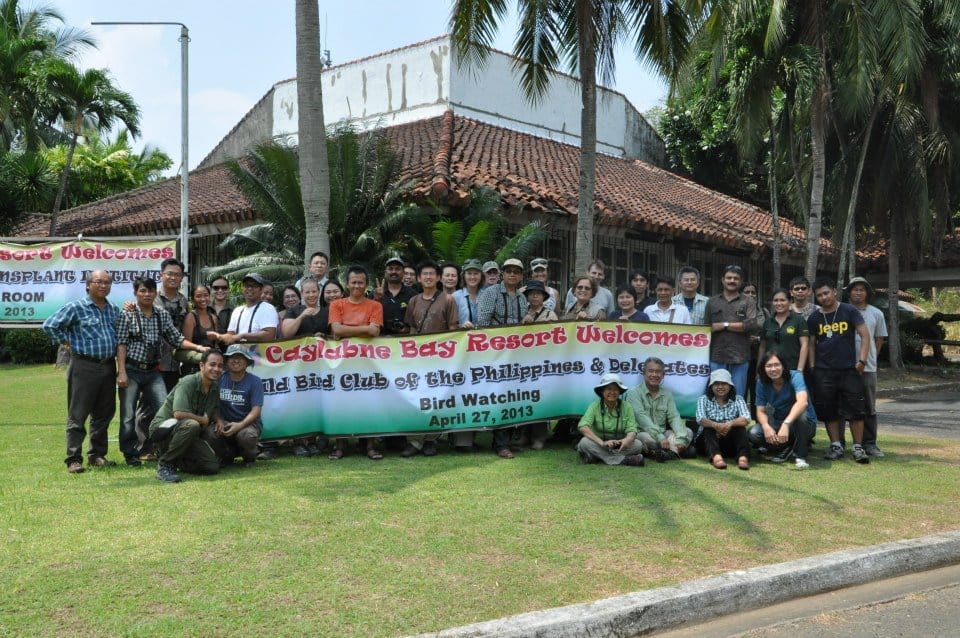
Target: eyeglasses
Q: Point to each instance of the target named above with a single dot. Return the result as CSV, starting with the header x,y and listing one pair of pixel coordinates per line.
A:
x,y
773,365
584,288
174,274
220,287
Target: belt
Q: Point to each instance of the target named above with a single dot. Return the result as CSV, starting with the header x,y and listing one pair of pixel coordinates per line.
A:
x,y
140,366
87,357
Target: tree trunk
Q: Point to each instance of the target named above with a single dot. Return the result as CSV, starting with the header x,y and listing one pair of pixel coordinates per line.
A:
x,y
893,286
818,178
939,168
314,169
774,207
61,191
848,253
588,137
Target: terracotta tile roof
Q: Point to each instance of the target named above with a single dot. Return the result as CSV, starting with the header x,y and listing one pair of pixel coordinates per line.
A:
x,y
444,157
872,255
152,208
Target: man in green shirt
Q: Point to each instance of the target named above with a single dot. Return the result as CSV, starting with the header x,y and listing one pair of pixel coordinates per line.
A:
x,y
192,405
660,428
609,427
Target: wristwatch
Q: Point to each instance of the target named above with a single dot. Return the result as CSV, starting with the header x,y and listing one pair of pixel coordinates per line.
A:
x,y
726,325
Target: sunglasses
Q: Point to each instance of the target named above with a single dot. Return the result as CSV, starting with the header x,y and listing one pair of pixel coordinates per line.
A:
x,y
220,287
799,288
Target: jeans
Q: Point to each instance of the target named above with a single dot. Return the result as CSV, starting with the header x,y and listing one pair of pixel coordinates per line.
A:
x,y
739,373
145,384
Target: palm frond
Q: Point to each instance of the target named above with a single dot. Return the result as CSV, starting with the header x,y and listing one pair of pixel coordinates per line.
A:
x,y
527,240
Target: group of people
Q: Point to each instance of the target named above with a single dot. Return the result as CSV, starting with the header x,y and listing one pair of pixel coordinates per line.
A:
x,y
180,366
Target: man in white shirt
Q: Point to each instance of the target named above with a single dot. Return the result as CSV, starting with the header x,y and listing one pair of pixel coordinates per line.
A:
x,y
667,309
256,320
861,292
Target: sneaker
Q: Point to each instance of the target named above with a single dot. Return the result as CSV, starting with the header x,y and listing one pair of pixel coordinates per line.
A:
x,y
536,445
148,457
167,474
505,453
429,448
313,449
134,461
860,455
763,449
409,451
75,467
635,460
267,454
782,456
301,451
834,453
99,461
873,450
801,464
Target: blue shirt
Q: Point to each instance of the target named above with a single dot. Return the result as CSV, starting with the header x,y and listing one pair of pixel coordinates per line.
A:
x,y
237,398
89,330
781,401
466,309
638,315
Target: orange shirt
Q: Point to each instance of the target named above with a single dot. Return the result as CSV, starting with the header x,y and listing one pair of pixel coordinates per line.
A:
x,y
344,311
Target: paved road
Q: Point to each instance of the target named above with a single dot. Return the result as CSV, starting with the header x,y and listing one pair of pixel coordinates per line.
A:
x,y
934,414
924,605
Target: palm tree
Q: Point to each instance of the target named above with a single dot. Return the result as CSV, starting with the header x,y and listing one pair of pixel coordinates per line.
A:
x,y
314,178
87,99
582,34
480,230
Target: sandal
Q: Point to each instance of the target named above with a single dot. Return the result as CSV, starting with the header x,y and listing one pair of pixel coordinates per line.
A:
x,y
743,463
719,463
374,455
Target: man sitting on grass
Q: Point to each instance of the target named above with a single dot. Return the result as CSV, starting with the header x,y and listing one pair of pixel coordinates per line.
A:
x,y
241,402
660,428
192,405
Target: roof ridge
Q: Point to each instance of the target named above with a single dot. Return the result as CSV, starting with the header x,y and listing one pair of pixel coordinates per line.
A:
x,y
440,185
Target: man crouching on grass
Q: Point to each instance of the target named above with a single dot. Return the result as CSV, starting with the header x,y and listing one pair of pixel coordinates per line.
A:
x,y
191,406
241,401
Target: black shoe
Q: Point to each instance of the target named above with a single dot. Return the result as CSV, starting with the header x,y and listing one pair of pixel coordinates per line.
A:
x,y
134,461
267,454
410,450
313,449
635,460
429,448
659,455
301,450
167,474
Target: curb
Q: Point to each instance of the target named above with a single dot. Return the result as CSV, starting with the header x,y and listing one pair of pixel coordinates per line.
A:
x,y
698,600
929,387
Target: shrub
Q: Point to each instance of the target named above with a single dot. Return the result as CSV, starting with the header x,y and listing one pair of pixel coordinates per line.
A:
x,y
30,345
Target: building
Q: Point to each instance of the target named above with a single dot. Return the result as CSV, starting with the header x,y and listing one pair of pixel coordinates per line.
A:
x,y
455,128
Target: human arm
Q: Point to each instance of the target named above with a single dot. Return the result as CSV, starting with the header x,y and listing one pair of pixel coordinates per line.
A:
x,y
804,350
864,347
122,380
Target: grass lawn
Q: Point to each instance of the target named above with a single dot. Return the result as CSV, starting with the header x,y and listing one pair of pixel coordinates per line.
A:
x,y
356,548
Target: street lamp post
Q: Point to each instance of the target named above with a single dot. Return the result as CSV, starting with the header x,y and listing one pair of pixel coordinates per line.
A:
x,y
184,138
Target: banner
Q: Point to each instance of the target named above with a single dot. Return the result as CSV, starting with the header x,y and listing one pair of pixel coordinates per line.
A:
x,y
37,279
468,380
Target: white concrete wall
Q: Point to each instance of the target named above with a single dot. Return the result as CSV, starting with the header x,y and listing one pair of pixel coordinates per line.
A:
x,y
393,88
423,81
493,94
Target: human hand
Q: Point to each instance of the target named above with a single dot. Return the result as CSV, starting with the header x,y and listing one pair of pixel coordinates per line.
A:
x,y
122,380
378,290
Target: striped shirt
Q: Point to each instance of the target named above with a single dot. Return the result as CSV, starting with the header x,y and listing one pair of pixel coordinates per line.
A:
x,y
90,330
697,311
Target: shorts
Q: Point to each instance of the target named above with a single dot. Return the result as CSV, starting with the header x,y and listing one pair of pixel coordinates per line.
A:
x,y
838,394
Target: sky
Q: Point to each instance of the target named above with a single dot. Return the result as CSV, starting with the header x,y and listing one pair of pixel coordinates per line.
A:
x,y
238,49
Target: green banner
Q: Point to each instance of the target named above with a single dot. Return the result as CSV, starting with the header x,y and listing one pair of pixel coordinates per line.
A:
x,y
37,279
468,380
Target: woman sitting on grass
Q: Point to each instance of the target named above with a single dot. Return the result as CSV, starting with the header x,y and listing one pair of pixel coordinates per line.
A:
x,y
781,407
724,417
609,427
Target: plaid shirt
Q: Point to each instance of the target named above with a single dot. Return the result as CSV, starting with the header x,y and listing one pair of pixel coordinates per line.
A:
x,y
177,307
143,335
709,409
89,330
496,308
699,307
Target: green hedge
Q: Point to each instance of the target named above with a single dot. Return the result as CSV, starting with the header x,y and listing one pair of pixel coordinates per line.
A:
x,y
29,345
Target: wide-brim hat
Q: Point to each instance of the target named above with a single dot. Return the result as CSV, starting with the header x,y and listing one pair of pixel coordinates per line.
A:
x,y
860,280
240,350
535,285
607,379
720,376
